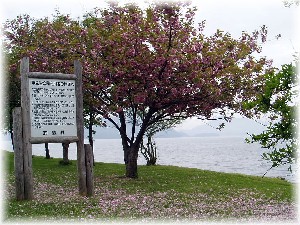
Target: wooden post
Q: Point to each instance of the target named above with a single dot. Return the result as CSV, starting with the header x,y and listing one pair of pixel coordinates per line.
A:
x,y
89,169
80,130
65,146
27,147
18,152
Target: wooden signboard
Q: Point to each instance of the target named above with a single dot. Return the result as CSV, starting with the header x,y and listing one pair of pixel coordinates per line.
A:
x,y
52,108
51,112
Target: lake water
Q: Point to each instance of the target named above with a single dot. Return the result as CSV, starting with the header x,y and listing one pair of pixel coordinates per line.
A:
x,y
223,154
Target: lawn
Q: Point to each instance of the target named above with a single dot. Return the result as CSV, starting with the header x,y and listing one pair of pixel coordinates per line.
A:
x,y
162,193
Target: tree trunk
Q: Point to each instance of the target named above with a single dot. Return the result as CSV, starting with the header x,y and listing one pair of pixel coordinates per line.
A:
x,y
131,166
126,152
131,147
47,151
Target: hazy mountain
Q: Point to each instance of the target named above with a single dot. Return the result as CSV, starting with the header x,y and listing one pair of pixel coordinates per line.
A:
x,y
112,133
238,127
171,133
105,133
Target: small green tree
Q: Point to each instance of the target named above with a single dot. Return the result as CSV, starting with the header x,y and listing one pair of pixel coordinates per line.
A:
x,y
278,101
149,151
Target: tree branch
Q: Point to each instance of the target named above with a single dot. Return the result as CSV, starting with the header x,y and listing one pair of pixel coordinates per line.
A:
x,y
134,112
123,127
144,126
166,61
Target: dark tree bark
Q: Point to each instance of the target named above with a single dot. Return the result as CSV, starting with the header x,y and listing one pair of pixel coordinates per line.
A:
x,y
47,151
131,166
131,145
126,151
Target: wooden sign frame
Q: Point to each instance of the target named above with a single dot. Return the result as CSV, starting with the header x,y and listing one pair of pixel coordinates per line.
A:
x,y
24,141
25,102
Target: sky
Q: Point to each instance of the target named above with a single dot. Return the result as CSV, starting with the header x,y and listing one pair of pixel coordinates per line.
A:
x,y
231,16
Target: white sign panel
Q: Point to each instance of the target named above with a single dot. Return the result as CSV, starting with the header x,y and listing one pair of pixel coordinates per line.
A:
x,y
52,107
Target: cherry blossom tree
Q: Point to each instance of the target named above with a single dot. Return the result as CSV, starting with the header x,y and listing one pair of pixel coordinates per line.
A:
x,y
146,65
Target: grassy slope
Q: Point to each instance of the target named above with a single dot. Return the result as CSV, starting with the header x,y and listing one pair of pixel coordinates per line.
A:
x,y
160,192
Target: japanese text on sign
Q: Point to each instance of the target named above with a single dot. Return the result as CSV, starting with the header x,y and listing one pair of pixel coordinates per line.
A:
x,y
52,107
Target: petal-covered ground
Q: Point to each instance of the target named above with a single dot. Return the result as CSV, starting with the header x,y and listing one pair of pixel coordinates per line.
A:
x,y
117,204
161,193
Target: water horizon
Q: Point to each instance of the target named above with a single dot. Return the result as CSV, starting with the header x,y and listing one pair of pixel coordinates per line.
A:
x,y
220,154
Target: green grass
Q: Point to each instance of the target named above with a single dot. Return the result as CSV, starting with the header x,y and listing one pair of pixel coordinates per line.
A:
x,y
158,190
